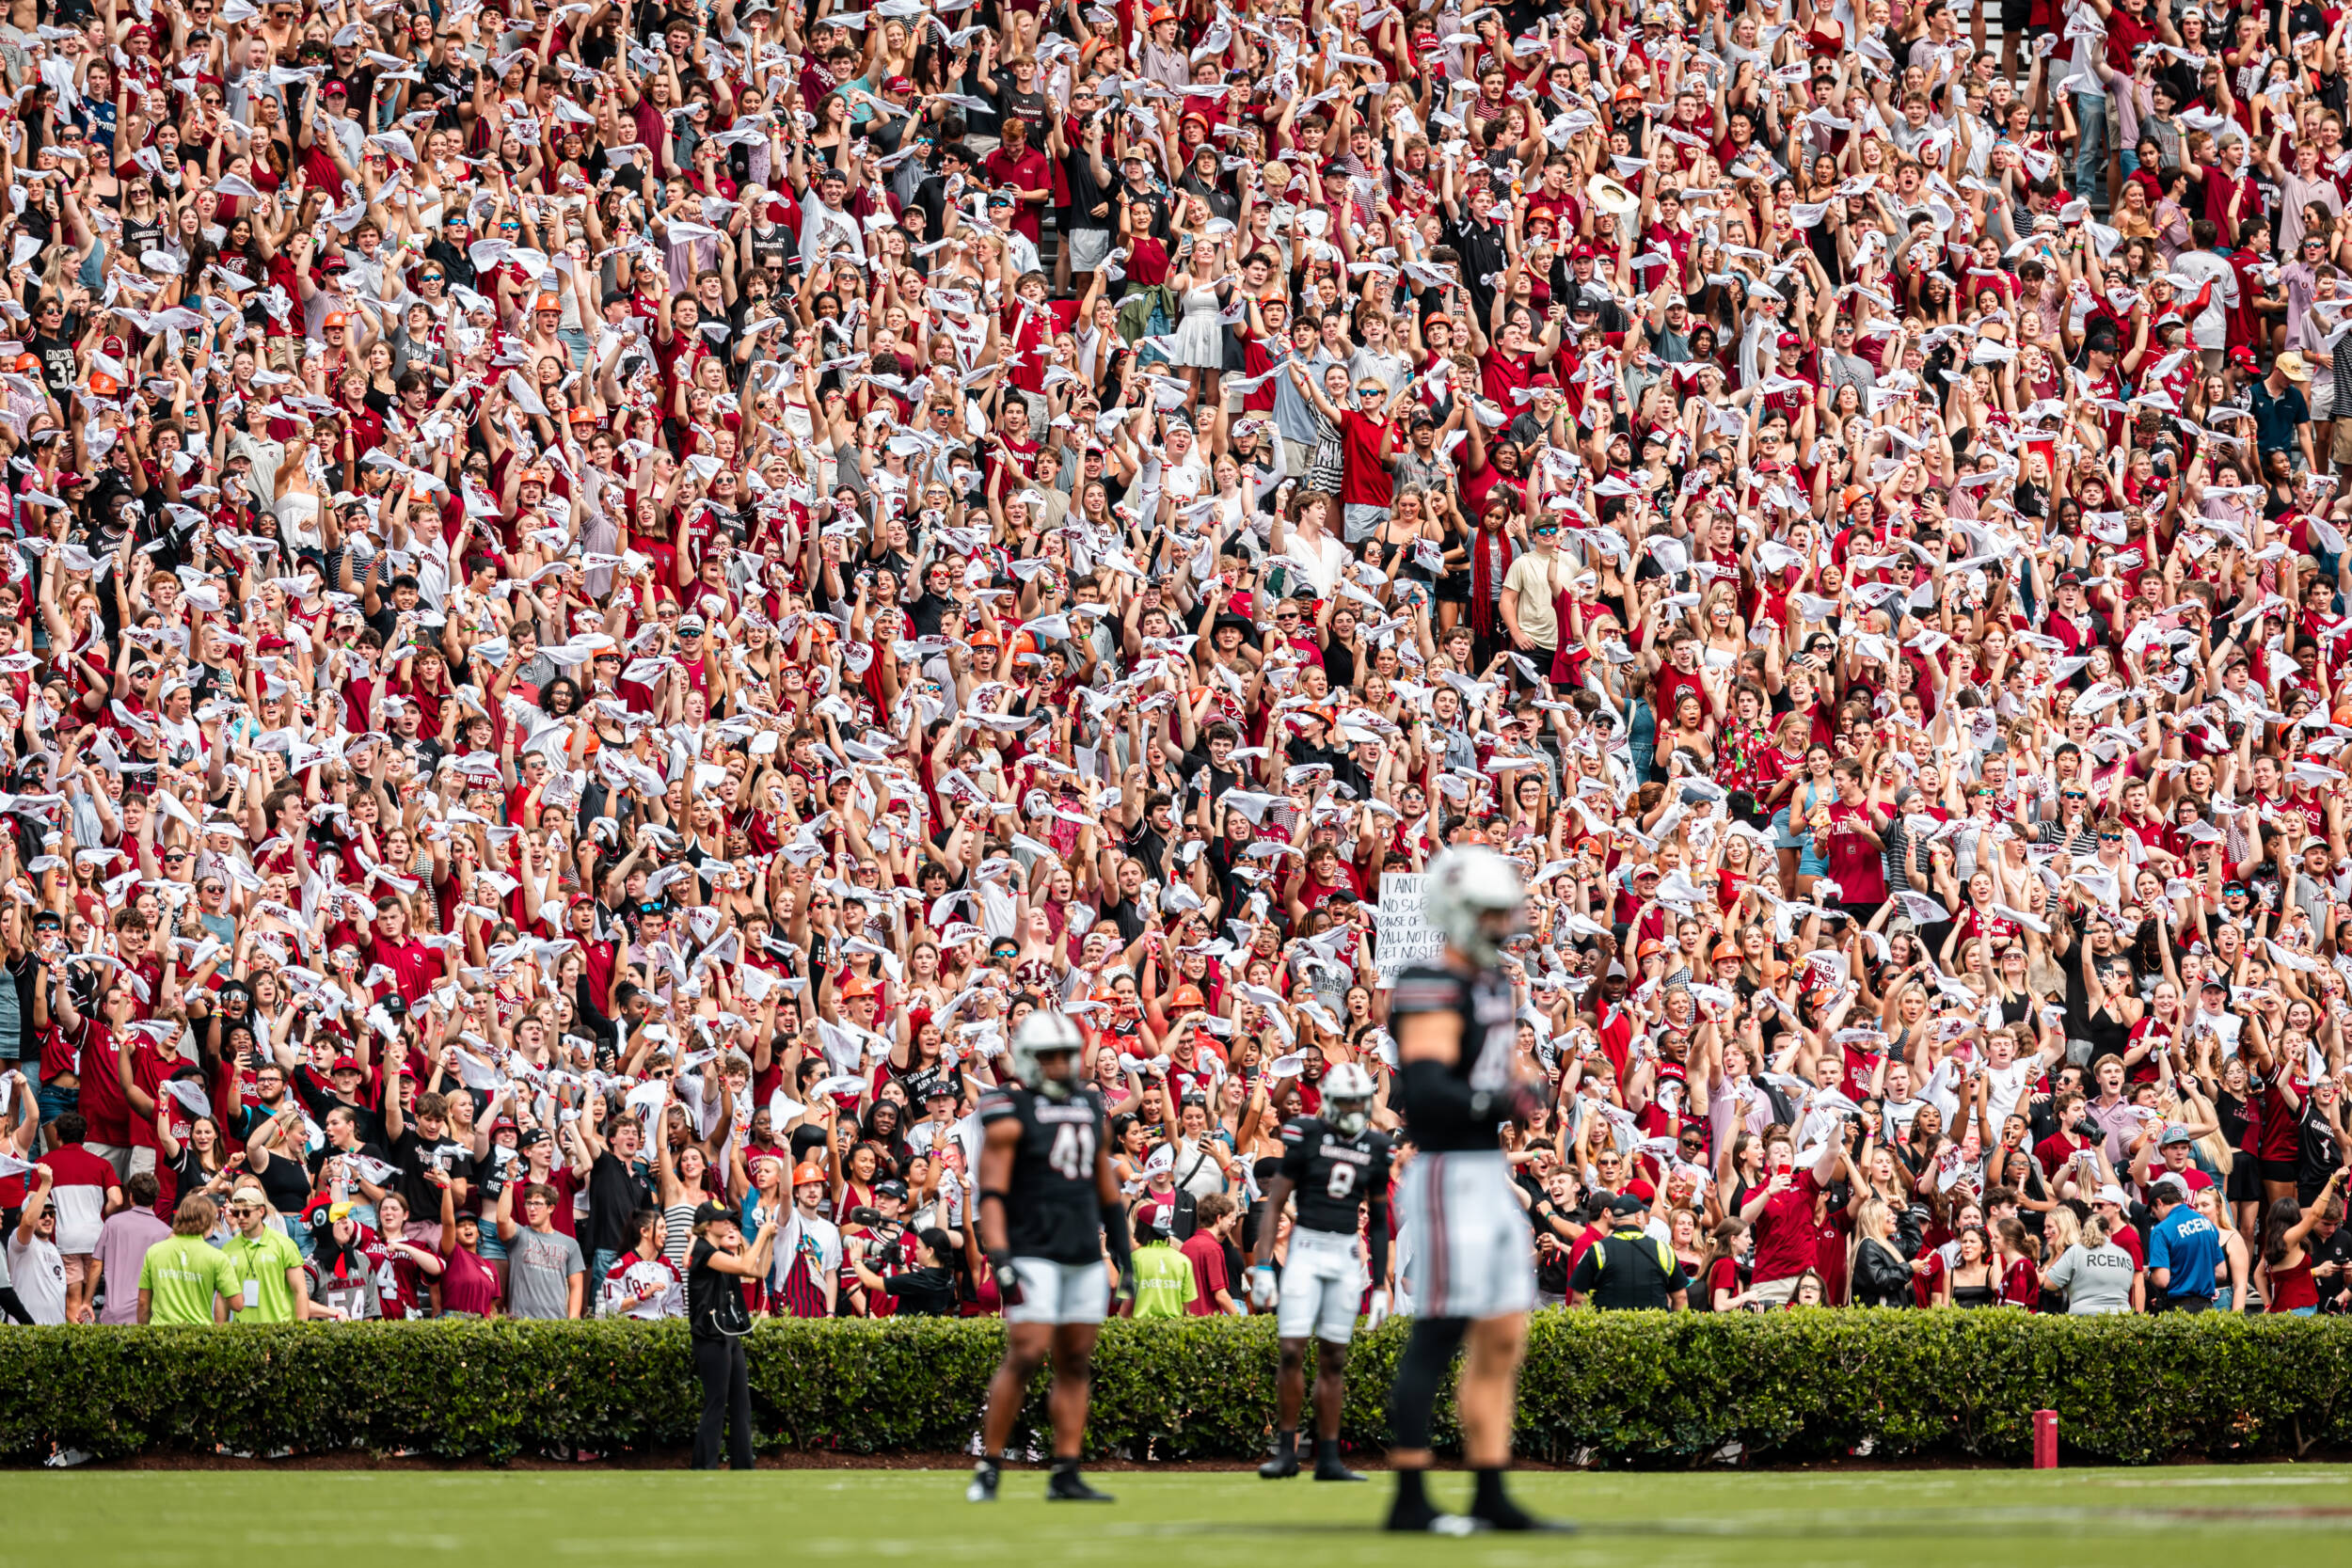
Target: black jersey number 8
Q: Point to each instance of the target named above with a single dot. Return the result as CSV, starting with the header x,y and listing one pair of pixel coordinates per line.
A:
x,y
1072,1153
1342,1181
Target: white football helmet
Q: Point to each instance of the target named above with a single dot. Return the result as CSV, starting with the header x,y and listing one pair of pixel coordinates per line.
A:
x,y
1466,887
1347,1095
1042,1035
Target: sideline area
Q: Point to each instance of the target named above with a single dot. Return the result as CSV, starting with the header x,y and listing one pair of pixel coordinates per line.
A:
x,y
1920,1518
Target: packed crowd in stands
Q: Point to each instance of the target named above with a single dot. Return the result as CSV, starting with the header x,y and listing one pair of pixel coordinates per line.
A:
x,y
605,598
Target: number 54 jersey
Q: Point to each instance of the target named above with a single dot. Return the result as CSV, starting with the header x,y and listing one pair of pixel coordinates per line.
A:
x,y
1052,1208
1331,1174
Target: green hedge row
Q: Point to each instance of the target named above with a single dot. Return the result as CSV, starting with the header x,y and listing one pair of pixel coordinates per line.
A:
x,y
1629,1387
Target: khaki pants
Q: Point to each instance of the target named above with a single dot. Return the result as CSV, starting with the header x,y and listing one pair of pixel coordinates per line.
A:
x,y
1779,1292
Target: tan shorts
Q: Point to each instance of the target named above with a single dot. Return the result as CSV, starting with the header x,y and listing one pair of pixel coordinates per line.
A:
x,y
2340,442
1779,1292
77,1268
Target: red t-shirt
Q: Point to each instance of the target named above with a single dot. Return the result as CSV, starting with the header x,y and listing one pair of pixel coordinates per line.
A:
x,y
1363,477
1208,1272
102,1103
1854,863
411,963
1786,1242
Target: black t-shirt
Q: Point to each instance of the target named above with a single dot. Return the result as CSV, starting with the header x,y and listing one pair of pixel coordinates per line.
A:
x,y
1012,104
450,84
1204,776
57,363
1129,915
414,1154
616,1190
288,1183
928,611
714,1301
1086,192
319,1100
2317,1152
922,1293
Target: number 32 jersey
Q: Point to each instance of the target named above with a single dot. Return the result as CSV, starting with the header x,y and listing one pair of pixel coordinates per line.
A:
x,y
1331,1174
1052,1208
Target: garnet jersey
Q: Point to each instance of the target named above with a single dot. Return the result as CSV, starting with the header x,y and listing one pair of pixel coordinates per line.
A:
x,y
1490,1031
1053,1209
1331,1174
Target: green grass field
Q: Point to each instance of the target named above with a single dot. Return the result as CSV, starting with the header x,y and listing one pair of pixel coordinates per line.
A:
x,y
1888,1519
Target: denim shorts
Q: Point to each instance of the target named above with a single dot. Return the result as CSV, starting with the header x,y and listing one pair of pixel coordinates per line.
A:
x,y
55,1101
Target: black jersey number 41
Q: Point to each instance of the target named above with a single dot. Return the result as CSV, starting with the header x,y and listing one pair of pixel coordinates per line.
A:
x,y
1073,1154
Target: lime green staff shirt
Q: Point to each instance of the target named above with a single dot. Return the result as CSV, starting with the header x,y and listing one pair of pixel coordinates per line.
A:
x,y
253,1277
182,1273
1164,1287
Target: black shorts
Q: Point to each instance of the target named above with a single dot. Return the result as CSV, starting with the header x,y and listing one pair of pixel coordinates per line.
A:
x,y
1861,913
2244,1184
2016,17
2281,1171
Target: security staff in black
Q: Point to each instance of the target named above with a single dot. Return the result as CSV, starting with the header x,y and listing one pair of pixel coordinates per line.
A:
x,y
1628,1269
715,1272
1332,1172
1050,1208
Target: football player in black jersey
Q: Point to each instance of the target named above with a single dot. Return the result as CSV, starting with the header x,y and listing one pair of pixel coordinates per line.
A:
x,y
1048,1197
1471,1265
1332,1168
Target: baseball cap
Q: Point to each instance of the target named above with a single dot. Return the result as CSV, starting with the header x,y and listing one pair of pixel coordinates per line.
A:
x,y
2110,1193
2175,1133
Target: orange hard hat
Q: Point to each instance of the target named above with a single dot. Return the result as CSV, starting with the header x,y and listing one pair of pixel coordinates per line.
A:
x,y
104,385
1186,996
805,1173
547,302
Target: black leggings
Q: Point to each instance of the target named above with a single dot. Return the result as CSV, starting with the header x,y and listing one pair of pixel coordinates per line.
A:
x,y
1428,1355
726,1403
